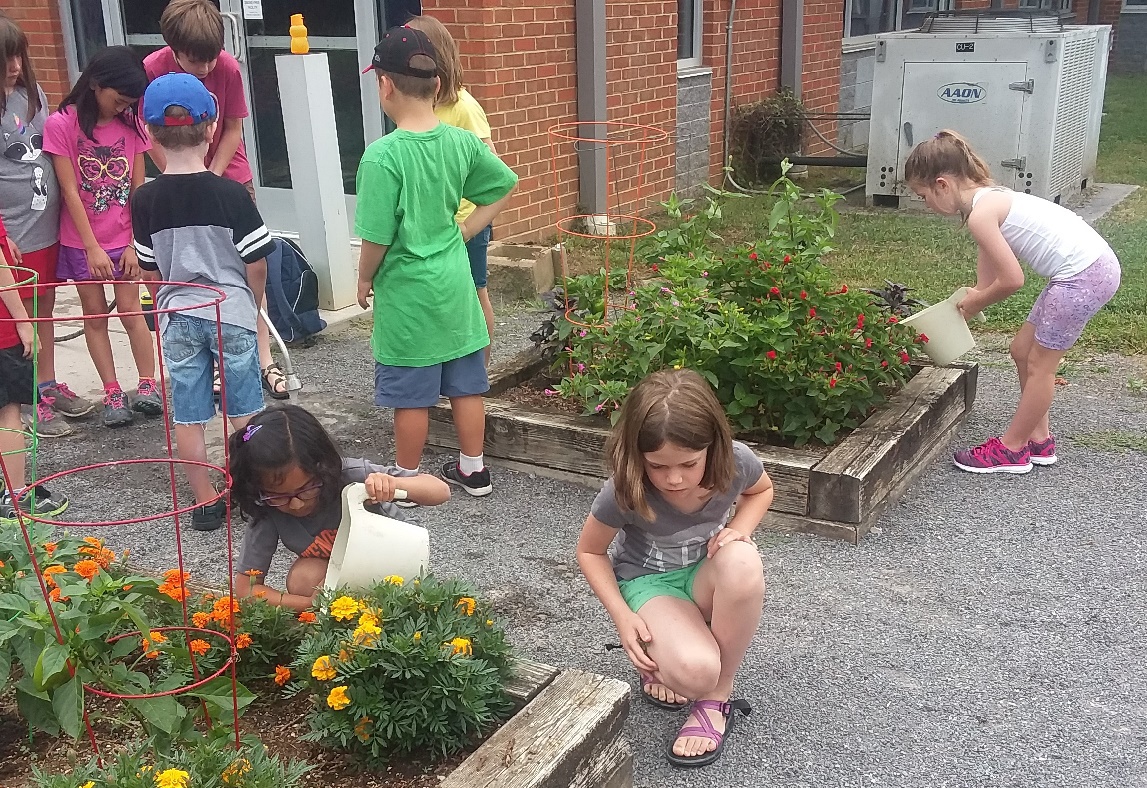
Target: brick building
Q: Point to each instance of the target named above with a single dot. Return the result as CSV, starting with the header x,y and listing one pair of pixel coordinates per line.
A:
x,y
660,63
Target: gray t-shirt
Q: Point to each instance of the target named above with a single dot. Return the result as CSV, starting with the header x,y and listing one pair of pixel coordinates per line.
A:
x,y
673,539
29,194
312,536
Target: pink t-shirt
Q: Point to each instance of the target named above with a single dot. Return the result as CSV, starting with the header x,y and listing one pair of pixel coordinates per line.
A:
x,y
225,83
103,169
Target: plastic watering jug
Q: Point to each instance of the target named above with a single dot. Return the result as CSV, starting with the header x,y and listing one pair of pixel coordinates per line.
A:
x,y
946,329
369,546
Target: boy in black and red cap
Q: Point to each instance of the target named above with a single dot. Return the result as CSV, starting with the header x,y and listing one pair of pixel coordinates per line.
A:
x,y
429,331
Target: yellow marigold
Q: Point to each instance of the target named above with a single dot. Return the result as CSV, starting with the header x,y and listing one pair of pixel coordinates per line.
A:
x,y
87,569
307,617
338,699
49,547
393,580
489,622
243,640
344,655
360,729
417,636
223,609
282,674
366,635
368,618
172,778
88,784
199,647
200,619
467,604
323,670
461,646
233,774
344,608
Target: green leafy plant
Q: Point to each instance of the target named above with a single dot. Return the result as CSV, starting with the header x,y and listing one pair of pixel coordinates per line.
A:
x,y
407,666
792,355
211,761
691,226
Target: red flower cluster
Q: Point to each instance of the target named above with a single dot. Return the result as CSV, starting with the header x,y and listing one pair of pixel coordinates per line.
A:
x,y
770,355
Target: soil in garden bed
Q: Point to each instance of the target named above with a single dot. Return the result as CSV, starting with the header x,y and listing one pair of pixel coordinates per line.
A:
x,y
278,722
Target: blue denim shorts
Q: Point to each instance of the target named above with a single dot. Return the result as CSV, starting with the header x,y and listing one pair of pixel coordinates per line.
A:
x,y
191,351
420,387
476,248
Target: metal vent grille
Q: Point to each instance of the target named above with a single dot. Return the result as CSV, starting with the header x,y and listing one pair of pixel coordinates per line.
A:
x,y
991,21
1073,109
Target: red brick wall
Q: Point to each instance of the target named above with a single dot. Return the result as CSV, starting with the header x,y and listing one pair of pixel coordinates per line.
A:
x,y
40,21
820,83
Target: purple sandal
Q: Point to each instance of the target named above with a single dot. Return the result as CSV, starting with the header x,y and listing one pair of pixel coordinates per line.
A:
x,y
646,680
706,730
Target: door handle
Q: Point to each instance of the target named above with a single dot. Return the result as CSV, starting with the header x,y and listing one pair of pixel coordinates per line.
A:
x,y
235,41
908,133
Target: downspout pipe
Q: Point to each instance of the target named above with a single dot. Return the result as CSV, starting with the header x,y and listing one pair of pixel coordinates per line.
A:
x,y
589,19
1093,12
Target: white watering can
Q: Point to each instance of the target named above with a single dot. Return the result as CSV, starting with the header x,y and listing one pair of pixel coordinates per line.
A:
x,y
946,329
369,546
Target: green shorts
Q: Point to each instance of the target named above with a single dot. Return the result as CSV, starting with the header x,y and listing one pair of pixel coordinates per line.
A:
x,y
678,583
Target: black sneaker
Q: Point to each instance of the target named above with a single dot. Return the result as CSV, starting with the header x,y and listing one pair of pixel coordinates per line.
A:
x,y
209,517
38,501
477,484
117,409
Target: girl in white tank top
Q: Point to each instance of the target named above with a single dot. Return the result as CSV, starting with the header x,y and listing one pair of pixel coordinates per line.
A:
x,y
1055,243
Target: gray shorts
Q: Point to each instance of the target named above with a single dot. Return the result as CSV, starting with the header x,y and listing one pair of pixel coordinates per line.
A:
x,y
420,387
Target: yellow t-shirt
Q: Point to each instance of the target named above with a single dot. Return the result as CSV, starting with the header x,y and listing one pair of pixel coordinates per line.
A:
x,y
465,113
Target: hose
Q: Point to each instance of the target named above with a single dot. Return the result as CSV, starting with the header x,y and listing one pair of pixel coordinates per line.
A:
x,y
74,334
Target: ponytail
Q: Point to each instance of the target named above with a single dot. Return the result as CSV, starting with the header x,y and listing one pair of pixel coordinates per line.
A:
x,y
947,153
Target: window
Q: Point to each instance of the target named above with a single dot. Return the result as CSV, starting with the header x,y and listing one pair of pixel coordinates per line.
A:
x,y
1046,5
1135,6
689,27
868,17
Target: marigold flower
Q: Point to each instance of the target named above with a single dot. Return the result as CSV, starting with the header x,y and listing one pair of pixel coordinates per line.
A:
x,y
366,635
417,636
253,573
55,569
224,609
199,647
307,617
153,638
56,597
243,640
50,547
489,622
770,354
2,564
259,593
87,569
338,698
467,604
88,784
393,580
282,674
368,618
151,654
200,619
344,608
93,541
172,778
233,774
360,729
323,670
461,646
101,555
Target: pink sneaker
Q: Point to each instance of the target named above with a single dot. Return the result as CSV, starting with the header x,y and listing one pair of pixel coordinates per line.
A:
x,y
993,457
1043,453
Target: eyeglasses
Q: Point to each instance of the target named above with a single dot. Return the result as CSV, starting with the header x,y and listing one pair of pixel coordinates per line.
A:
x,y
278,500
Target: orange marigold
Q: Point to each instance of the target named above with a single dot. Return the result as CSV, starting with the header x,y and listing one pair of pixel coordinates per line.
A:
x,y
56,597
49,547
243,641
87,569
55,569
97,552
307,617
200,619
282,674
224,609
199,647
93,541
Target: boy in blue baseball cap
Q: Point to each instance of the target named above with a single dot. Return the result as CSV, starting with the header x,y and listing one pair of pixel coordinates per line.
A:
x,y
196,227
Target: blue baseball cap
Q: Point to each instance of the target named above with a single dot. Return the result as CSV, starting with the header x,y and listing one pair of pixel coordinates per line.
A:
x,y
178,90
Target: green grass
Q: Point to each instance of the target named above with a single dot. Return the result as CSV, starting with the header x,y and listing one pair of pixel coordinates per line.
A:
x,y
1117,441
935,256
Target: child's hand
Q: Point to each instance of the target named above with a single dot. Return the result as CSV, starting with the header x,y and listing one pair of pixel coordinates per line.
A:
x,y
968,304
381,487
365,290
130,263
724,537
14,252
27,336
635,636
100,266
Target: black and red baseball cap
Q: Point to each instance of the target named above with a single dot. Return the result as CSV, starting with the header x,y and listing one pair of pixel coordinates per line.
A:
x,y
398,47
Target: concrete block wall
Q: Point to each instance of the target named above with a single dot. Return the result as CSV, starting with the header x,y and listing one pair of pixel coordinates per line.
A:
x,y
1129,53
694,96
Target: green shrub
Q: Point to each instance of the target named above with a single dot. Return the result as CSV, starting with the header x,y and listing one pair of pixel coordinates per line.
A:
x,y
407,666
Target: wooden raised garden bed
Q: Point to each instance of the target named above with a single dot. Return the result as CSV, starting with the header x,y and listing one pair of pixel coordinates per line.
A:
x,y
835,491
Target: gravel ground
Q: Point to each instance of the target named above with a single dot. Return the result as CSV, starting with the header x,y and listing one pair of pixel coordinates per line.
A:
x,y
990,632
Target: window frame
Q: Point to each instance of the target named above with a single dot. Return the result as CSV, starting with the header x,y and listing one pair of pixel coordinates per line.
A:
x,y
696,59
1133,7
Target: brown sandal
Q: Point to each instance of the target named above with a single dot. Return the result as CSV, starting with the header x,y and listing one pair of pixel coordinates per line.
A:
x,y
273,378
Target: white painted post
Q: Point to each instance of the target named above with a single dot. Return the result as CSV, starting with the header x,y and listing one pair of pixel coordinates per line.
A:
x,y
316,174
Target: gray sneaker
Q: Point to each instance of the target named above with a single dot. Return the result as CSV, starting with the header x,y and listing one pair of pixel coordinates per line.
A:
x,y
67,402
49,425
116,410
38,501
147,400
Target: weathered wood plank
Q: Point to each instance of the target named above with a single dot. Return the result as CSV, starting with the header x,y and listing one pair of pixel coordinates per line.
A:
x,y
858,473
610,768
785,523
576,445
548,744
528,680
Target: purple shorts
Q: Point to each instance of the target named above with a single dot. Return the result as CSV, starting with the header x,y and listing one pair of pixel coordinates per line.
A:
x,y
73,264
1065,306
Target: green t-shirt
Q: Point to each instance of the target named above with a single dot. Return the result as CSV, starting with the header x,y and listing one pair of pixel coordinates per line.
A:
x,y
410,184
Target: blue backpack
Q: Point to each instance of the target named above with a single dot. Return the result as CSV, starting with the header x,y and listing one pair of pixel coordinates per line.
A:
x,y
292,293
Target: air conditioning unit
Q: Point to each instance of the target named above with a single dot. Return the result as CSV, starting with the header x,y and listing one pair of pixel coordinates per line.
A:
x,y
1024,89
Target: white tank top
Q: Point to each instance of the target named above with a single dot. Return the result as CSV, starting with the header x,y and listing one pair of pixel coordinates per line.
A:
x,y
1053,240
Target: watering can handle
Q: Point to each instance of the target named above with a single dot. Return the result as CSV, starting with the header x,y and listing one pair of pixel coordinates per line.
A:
x,y
357,494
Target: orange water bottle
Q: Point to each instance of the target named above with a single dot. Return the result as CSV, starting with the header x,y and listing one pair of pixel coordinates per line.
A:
x,y
299,43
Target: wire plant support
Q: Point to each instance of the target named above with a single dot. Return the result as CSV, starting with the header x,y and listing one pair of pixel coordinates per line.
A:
x,y
212,298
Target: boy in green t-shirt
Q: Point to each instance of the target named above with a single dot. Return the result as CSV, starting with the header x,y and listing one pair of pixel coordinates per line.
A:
x,y
429,331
